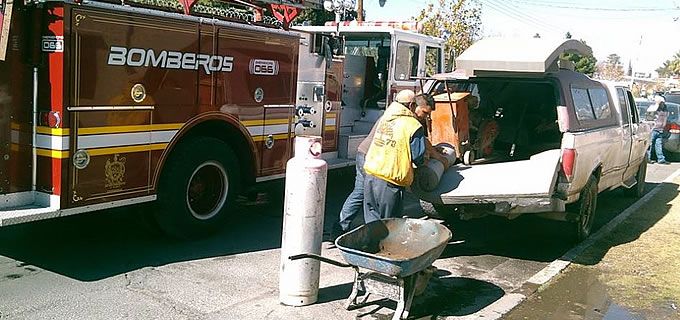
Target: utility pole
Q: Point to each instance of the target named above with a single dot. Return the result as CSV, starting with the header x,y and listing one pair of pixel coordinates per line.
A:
x,y
360,10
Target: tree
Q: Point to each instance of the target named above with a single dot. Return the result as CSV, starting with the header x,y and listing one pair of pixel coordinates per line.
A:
x,y
320,17
671,67
582,64
611,69
458,22
314,17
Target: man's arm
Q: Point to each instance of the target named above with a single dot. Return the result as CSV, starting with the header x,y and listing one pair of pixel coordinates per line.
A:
x,y
418,147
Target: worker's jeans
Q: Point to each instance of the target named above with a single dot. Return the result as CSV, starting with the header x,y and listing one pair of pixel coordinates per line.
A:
x,y
656,144
355,201
382,199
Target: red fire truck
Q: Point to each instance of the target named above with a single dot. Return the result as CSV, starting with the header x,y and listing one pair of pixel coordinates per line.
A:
x,y
108,104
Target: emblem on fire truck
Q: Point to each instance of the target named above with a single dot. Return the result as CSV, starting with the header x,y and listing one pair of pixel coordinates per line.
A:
x,y
258,95
114,171
81,159
138,93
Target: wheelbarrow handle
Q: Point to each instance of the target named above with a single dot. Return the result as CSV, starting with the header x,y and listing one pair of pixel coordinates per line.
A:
x,y
320,258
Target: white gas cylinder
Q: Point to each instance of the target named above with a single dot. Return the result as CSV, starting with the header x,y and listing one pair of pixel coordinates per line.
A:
x,y
428,176
305,198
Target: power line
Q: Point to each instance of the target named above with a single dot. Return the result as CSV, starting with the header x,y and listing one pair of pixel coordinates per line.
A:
x,y
513,16
520,16
572,7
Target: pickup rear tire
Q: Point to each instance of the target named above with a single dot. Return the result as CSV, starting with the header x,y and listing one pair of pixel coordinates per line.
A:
x,y
587,204
199,185
638,190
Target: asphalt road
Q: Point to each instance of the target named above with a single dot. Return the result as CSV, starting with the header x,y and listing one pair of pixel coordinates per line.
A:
x,y
115,264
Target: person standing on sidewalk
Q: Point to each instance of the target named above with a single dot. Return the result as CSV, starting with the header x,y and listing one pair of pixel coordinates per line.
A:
x,y
399,142
660,118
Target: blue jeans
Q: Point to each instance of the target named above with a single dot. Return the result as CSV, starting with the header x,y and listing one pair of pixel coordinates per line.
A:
x,y
382,199
355,201
657,145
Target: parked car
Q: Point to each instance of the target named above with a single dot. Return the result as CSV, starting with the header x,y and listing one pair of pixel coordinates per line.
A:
x,y
642,106
673,97
672,143
561,138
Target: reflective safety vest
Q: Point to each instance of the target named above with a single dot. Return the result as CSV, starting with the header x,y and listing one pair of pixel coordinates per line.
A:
x,y
389,156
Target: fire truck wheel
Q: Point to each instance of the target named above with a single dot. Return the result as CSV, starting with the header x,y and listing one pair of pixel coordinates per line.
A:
x,y
199,184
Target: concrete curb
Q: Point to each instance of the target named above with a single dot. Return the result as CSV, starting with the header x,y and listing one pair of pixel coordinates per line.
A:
x,y
509,301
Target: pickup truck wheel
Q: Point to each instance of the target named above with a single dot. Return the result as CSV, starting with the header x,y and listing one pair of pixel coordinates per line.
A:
x,y
586,206
199,184
468,157
638,190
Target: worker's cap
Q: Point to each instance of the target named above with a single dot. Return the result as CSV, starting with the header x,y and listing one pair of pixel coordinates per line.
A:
x,y
405,96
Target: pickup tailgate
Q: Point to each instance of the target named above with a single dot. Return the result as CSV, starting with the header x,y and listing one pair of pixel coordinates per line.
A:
x,y
505,181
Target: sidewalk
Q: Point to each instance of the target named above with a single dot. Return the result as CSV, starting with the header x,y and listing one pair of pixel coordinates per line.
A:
x,y
629,273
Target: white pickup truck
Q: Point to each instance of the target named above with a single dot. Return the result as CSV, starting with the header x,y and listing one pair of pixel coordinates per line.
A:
x,y
557,138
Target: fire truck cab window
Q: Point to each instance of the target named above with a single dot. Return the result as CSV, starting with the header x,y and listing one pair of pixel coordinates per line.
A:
x,y
406,65
376,48
433,60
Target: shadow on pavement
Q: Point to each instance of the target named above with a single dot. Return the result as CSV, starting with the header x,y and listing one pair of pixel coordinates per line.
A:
x,y
455,296
529,237
98,245
446,296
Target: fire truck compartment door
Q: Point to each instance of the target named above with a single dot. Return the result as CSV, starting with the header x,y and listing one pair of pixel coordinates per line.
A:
x,y
276,143
533,178
6,7
113,155
534,55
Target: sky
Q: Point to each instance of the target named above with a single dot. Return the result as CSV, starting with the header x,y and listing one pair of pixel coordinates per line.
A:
x,y
644,33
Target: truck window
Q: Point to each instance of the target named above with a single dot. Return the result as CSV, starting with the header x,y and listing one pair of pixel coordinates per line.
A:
x,y
433,60
583,108
600,103
632,107
406,64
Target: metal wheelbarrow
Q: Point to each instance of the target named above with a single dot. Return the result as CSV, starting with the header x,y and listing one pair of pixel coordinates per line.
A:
x,y
398,252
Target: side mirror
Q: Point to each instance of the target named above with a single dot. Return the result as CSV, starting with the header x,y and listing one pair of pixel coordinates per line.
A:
x,y
327,52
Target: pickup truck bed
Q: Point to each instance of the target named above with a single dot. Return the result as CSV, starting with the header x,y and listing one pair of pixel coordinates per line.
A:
x,y
508,185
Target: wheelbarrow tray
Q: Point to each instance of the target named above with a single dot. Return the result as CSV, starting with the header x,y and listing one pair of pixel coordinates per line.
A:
x,y
396,247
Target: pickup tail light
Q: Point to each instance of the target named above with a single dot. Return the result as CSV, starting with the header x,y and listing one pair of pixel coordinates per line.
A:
x,y
568,160
673,127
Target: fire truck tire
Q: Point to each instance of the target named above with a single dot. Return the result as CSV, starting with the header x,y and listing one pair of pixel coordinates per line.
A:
x,y
198,186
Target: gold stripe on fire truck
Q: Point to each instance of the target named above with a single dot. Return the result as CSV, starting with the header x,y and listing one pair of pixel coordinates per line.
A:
x,y
127,149
128,129
57,154
53,131
282,136
329,128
